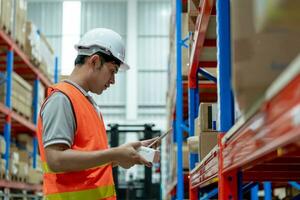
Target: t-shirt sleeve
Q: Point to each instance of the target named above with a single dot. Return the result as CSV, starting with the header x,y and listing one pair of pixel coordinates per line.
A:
x,y
58,120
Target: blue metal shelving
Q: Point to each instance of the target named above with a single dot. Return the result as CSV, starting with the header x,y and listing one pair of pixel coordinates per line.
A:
x,y
179,103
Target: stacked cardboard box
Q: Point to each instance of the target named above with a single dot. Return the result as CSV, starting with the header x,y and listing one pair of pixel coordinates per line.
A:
x,y
39,50
36,175
259,55
6,15
277,14
41,97
205,128
2,145
2,167
14,161
21,95
25,141
193,144
20,21
185,157
23,164
207,118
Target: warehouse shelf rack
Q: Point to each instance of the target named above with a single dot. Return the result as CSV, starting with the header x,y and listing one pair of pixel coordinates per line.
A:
x,y
267,152
262,147
12,58
189,92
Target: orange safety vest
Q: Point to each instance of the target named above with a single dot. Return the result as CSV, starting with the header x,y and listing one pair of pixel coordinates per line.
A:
x,y
91,184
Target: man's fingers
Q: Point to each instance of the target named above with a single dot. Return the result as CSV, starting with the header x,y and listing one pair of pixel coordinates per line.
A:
x,y
136,145
150,141
142,161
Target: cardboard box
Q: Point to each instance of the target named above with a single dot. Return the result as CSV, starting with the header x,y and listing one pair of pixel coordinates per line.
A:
x,y
25,141
2,165
32,42
208,117
6,15
23,156
257,57
39,50
197,128
36,176
23,170
207,141
14,163
21,97
20,21
277,15
185,51
2,145
193,144
185,156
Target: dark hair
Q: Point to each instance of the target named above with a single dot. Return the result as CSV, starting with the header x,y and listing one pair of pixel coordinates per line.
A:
x,y
80,59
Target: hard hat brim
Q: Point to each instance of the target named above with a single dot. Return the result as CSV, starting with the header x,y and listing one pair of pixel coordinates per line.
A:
x,y
124,67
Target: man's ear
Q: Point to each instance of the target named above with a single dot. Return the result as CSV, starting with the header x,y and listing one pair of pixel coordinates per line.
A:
x,y
96,61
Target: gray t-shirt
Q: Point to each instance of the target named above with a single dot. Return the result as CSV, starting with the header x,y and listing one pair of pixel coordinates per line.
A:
x,y
58,119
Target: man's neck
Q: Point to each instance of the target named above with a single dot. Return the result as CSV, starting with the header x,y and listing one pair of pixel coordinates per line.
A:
x,y
77,78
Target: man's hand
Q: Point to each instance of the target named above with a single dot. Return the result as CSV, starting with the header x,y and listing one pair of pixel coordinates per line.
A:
x,y
146,143
128,155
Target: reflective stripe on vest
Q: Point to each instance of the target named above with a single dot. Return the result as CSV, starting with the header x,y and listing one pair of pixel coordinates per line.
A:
x,y
90,194
46,168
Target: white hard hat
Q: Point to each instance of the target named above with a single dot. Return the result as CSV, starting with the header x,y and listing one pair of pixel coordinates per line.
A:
x,y
105,41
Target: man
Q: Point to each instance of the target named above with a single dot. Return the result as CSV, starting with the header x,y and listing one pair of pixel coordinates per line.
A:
x,y
72,138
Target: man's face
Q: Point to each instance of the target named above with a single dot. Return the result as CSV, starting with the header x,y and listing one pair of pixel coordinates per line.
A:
x,y
102,76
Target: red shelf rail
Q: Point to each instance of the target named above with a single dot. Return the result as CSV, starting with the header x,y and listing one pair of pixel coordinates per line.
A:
x,y
20,186
266,147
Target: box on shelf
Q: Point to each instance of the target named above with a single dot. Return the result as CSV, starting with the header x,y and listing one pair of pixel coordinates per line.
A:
x,y
258,57
6,15
2,145
20,21
47,57
277,15
185,157
197,128
207,141
14,162
21,95
23,170
39,50
36,176
41,98
193,144
185,51
23,156
208,114
25,141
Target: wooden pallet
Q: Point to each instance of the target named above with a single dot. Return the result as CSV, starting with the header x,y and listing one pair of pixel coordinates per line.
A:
x,y
34,61
16,178
20,45
22,114
6,30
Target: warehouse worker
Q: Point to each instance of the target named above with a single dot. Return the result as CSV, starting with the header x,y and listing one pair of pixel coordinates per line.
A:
x,y
71,134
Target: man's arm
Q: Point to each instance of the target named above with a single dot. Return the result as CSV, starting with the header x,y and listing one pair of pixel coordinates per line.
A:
x,y
61,158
